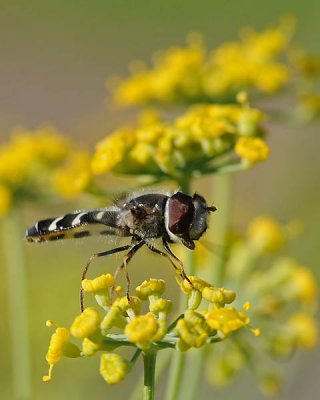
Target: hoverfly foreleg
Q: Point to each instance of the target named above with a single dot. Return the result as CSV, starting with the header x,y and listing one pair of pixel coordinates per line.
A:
x,y
85,270
181,269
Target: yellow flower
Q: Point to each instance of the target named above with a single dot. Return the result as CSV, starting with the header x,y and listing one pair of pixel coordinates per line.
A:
x,y
72,179
112,318
218,296
130,308
193,292
111,151
192,140
226,320
85,324
142,330
252,149
54,353
197,284
304,329
100,287
270,383
305,284
5,200
176,73
160,306
89,348
29,152
100,283
192,74
266,235
192,330
152,287
309,105
59,346
113,368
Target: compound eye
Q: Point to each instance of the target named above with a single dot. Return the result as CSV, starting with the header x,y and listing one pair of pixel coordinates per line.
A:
x,y
180,215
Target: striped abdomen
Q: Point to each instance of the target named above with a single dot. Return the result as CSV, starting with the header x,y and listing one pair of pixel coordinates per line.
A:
x,y
75,225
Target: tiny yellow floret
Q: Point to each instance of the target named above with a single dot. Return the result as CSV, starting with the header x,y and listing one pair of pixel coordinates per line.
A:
x,y
266,235
226,320
99,283
152,287
252,149
89,348
85,324
142,330
113,368
55,350
304,328
192,330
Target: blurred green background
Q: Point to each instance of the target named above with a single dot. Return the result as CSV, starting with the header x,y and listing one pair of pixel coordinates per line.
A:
x,y
55,57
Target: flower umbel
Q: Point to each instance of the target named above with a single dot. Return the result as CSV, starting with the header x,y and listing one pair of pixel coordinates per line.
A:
x,y
194,74
145,331
192,145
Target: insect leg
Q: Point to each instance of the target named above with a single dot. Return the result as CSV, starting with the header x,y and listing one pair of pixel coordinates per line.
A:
x,y
155,250
85,270
127,257
181,270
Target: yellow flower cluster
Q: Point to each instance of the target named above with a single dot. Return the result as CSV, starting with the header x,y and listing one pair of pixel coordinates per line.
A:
x,y
214,323
5,200
185,147
193,74
283,295
307,69
33,163
72,178
29,153
146,331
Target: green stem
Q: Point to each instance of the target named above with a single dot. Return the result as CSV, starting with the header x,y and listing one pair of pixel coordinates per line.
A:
x,y
149,362
219,231
17,304
163,359
179,358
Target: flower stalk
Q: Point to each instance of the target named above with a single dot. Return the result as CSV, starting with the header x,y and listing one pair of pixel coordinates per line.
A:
x,y
17,304
149,362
